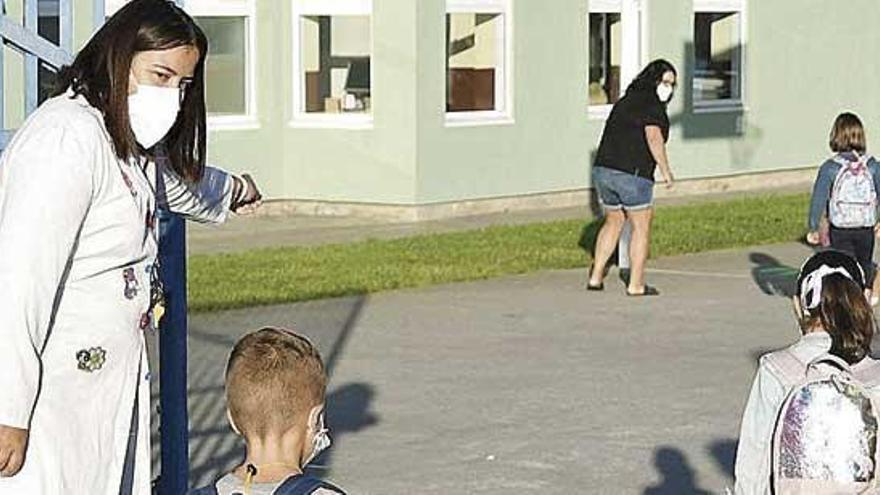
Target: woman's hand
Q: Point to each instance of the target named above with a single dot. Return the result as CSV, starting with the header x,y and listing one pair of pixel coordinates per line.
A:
x,y
813,238
657,146
246,196
13,442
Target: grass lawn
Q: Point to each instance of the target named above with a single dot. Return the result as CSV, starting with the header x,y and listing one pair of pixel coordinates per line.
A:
x,y
269,276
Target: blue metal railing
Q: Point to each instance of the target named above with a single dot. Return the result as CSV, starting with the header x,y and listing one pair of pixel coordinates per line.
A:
x,y
34,48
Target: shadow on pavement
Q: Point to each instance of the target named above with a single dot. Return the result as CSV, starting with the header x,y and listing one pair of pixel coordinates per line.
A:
x,y
772,277
724,453
348,411
677,474
587,240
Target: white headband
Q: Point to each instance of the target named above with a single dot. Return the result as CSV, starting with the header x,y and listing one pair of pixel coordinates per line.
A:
x,y
812,284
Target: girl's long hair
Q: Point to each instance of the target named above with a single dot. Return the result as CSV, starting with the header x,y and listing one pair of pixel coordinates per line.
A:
x,y
843,310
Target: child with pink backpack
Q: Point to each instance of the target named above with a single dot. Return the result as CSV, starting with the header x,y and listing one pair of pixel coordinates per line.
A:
x,y
811,421
845,193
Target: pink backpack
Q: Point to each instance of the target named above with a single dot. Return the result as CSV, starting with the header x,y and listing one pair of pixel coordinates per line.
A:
x,y
825,438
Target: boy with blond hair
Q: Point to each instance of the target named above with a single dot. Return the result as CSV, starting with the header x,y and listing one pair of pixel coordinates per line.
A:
x,y
275,386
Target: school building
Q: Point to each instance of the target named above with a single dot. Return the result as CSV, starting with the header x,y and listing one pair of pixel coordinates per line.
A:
x,y
419,109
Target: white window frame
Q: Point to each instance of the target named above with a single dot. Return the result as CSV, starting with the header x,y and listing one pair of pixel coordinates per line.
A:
x,y
234,8
634,44
301,118
504,84
733,104
224,8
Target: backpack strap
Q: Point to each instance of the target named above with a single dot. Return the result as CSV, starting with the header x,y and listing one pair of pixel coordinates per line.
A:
x,y
831,359
868,374
789,368
841,160
302,485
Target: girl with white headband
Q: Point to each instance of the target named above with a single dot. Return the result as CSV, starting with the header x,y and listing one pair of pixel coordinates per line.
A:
x,y
834,317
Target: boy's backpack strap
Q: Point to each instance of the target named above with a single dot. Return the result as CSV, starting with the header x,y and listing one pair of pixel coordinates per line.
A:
x,y
303,485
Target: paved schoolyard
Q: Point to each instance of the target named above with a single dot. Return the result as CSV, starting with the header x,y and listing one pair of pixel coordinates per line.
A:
x,y
526,384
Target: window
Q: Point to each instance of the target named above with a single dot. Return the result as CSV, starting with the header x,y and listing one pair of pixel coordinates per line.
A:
x,y
615,51
604,58
226,65
332,55
229,68
478,60
718,53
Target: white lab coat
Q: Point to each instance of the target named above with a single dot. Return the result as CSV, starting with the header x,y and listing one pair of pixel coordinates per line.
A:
x,y
70,226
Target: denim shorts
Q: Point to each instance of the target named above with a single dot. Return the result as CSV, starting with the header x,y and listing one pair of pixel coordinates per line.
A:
x,y
620,190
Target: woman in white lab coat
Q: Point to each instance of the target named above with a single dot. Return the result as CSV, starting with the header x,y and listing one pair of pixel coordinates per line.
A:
x,y
79,186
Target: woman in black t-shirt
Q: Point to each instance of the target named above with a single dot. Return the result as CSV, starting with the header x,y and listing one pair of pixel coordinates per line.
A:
x,y
633,145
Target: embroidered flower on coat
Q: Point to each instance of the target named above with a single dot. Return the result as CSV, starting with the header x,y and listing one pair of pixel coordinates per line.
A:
x,y
92,359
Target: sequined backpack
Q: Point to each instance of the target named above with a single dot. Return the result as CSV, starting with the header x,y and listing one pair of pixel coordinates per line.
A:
x,y
825,438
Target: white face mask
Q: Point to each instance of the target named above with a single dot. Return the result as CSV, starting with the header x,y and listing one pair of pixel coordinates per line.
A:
x,y
152,111
320,442
664,92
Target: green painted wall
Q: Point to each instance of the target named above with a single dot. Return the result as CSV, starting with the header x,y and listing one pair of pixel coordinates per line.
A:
x,y
803,66
547,147
374,165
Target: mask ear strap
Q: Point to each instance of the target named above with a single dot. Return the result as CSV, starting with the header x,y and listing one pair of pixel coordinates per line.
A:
x,y
316,419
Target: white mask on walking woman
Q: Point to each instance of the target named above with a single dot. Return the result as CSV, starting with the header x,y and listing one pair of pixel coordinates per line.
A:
x,y
664,92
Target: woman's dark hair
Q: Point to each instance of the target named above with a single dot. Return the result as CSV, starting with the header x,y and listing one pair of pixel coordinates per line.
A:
x,y
847,134
651,75
843,310
101,70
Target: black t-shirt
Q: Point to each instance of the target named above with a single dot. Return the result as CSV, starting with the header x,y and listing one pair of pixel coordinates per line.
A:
x,y
624,145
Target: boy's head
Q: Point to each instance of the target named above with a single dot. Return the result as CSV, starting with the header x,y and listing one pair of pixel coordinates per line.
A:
x,y
848,134
275,382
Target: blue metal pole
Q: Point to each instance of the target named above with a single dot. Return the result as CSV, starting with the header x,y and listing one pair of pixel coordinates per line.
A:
x,y
173,350
174,431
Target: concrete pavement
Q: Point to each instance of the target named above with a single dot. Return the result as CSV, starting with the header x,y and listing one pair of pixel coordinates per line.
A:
x,y
526,384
